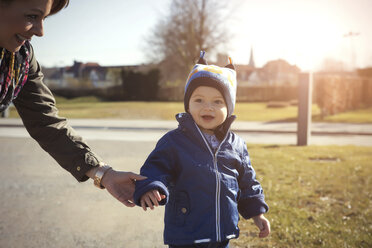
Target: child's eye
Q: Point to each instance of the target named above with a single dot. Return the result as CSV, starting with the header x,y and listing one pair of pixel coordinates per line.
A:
x,y
218,102
198,100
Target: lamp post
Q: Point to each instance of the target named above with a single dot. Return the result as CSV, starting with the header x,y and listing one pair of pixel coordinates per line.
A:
x,y
305,88
352,51
304,108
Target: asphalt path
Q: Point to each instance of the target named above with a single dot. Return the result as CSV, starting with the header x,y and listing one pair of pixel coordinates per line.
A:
x,y
42,205
252,132
252,136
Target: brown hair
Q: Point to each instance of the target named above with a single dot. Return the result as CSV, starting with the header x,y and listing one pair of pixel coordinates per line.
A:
x,y
56,7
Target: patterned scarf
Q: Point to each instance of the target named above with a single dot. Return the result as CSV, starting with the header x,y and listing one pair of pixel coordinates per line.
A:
x,y
14,69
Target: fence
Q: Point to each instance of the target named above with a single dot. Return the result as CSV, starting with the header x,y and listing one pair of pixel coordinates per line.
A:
x,y
114,93
244,94
336,94
266,93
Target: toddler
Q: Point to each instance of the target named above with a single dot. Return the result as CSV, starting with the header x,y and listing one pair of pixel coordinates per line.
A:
x,y
201,171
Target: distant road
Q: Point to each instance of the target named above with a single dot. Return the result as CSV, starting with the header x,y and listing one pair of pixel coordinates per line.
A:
x,y
256,136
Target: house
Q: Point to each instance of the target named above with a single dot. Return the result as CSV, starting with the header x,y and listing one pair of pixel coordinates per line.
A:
x,y
87,75
274,73
279,73
244,73
92,72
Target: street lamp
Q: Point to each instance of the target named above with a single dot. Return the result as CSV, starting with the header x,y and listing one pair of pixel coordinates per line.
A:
x,y
351,35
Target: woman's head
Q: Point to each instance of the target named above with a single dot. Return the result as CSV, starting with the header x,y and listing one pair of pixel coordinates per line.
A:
x,y
56,7
20,20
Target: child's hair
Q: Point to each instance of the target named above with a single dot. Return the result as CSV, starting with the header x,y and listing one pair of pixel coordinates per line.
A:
x,y
221,78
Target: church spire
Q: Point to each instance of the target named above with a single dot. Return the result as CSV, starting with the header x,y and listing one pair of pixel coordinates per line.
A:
x,y
251,60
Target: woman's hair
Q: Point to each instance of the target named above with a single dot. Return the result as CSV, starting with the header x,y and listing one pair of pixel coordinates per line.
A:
x,y
56,7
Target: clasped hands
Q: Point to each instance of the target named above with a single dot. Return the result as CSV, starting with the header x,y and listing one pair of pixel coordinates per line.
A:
x,y
121,185
151,199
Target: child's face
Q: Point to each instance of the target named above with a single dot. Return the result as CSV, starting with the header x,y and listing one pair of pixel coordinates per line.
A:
x,y
208,108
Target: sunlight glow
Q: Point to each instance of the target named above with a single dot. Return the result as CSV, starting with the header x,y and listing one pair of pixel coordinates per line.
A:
x,y
304,33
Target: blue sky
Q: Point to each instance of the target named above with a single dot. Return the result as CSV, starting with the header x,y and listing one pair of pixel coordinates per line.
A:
x,y
303,32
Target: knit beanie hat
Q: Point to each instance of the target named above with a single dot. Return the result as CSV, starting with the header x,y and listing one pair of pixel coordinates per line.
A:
x,y
221,78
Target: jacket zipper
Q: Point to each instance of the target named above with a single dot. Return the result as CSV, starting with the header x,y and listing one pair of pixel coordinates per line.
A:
x,y
218,185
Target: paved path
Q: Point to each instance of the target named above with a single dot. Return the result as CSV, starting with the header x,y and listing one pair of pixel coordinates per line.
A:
x,y
43,206
252,132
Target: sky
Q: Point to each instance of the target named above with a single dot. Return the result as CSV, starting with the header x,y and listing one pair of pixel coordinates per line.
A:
x,y
302,32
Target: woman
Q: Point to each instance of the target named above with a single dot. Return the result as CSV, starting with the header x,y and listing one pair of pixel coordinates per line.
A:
x,y
21,83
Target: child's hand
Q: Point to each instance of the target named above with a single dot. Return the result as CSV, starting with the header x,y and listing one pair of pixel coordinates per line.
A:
x,y
150,199
263,224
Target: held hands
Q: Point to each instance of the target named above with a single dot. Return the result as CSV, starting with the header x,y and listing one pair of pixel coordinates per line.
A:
x,y
263,224
120,185
151,199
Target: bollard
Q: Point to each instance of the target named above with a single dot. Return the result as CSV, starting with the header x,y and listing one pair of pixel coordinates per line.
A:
x,y
304,108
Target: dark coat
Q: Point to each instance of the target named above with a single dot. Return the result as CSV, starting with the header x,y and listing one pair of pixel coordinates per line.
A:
x,y
205,191
37,108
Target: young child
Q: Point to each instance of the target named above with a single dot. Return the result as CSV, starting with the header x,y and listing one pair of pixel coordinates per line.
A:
x,y
201,171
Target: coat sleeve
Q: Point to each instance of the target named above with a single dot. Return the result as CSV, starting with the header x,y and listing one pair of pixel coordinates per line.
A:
x,y
37,109
159,168
252,200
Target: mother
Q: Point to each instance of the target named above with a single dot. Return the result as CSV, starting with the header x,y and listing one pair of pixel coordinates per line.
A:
x,y
21,82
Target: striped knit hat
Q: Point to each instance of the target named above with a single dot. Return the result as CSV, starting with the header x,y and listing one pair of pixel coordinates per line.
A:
x,y
221,78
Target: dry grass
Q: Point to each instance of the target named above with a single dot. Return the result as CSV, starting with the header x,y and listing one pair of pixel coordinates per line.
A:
x,y
319,196
91,107
356,116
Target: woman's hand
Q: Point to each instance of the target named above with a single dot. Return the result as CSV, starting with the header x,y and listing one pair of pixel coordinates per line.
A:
x,y
263,224
120,185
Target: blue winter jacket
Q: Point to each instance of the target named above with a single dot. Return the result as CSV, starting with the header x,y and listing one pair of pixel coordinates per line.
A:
x,y
204,189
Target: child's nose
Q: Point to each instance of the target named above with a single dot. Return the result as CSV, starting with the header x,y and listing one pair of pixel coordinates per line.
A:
x,y
208,105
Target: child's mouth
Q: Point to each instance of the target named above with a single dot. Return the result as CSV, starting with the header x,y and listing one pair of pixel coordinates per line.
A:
x,y
207,117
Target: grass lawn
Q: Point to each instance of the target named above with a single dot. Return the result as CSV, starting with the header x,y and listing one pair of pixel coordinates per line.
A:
x,y
91,107
319,196
357,116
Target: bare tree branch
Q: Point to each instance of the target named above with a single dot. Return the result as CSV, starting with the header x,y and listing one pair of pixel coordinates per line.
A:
x,y
191,26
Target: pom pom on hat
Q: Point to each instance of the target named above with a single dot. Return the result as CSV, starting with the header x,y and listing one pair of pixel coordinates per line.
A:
x,y
221,78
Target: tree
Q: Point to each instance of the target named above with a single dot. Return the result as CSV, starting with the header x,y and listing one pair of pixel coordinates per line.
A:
x,y
191,26
140,86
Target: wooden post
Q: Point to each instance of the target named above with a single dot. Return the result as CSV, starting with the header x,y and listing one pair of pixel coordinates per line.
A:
x,y
304,108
